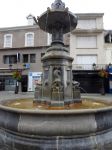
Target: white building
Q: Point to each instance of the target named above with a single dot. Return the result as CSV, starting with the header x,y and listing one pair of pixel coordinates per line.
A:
x,y
87,41
108,46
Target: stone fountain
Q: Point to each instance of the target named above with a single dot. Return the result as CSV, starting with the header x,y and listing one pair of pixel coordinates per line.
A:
x,y
53,123
57,85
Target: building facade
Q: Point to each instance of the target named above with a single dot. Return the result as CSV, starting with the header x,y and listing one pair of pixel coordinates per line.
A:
x,y
108,45
21,48
90,51
87,41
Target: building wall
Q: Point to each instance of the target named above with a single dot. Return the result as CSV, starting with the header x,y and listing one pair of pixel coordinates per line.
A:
x,y
89,25
37,66
108,45
93,28
18,45
18,39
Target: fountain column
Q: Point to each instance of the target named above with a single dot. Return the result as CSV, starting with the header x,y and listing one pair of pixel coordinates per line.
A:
x,y
57,84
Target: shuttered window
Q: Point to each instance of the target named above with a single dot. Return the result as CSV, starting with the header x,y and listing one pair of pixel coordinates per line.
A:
x,y
86,42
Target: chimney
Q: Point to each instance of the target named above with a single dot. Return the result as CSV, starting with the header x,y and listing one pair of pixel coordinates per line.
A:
x,y
31,20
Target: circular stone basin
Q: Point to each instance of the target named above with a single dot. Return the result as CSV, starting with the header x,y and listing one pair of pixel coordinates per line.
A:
x,y
29,104
81,126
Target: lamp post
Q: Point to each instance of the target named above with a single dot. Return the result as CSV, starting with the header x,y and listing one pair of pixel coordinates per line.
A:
x,y
10,66
17,87
17,71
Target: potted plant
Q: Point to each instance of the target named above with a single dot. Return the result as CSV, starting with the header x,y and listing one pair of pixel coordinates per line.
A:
x,y
103,74
17,75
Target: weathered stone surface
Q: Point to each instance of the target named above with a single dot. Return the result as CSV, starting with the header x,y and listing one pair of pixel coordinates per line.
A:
x,y
9,119
103,120
57,125
63,130
101,141
89,129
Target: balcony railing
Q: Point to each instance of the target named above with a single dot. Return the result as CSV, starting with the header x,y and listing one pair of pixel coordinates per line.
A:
x,y
89,66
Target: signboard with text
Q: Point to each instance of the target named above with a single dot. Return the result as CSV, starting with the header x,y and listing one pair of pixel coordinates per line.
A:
x,y
33,79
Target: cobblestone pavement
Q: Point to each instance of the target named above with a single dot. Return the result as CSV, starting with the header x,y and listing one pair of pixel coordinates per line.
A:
x,y
11,95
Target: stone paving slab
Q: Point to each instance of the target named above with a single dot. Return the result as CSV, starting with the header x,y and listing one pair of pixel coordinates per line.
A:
x,y
4,95
11,95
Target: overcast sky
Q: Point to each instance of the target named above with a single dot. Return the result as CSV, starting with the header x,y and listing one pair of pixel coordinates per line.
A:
x,y
14,12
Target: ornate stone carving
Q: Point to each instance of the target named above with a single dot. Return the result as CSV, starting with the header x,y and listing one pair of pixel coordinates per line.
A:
x,y
58,4
46,74
75,84
57,82
46,82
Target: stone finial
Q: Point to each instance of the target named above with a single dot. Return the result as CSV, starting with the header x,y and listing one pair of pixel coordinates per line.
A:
x,y
58,4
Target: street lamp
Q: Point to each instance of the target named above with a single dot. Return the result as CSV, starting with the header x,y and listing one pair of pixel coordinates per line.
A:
x,y
17,82
10,66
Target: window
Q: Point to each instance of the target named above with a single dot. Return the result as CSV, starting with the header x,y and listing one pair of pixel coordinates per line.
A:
x,y
32,58
29,39
10,59
108,38
18,57
29,58
25,58
8,40
42,54
10,81
86,42
86,24
86,61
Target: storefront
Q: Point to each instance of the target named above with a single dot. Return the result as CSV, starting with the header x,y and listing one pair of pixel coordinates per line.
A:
x,y
110,79
8,83
90,82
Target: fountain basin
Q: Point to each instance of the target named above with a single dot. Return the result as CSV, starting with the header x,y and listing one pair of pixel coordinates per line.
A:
x,y
25,129
67,20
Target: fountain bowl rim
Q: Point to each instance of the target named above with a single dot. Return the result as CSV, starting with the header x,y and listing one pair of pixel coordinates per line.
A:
x,y
53,112
42,22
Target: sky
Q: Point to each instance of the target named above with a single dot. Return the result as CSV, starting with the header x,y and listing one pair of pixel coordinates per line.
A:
x,y
14,12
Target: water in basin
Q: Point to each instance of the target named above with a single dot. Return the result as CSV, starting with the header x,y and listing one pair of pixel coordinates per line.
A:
x,y
29,104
